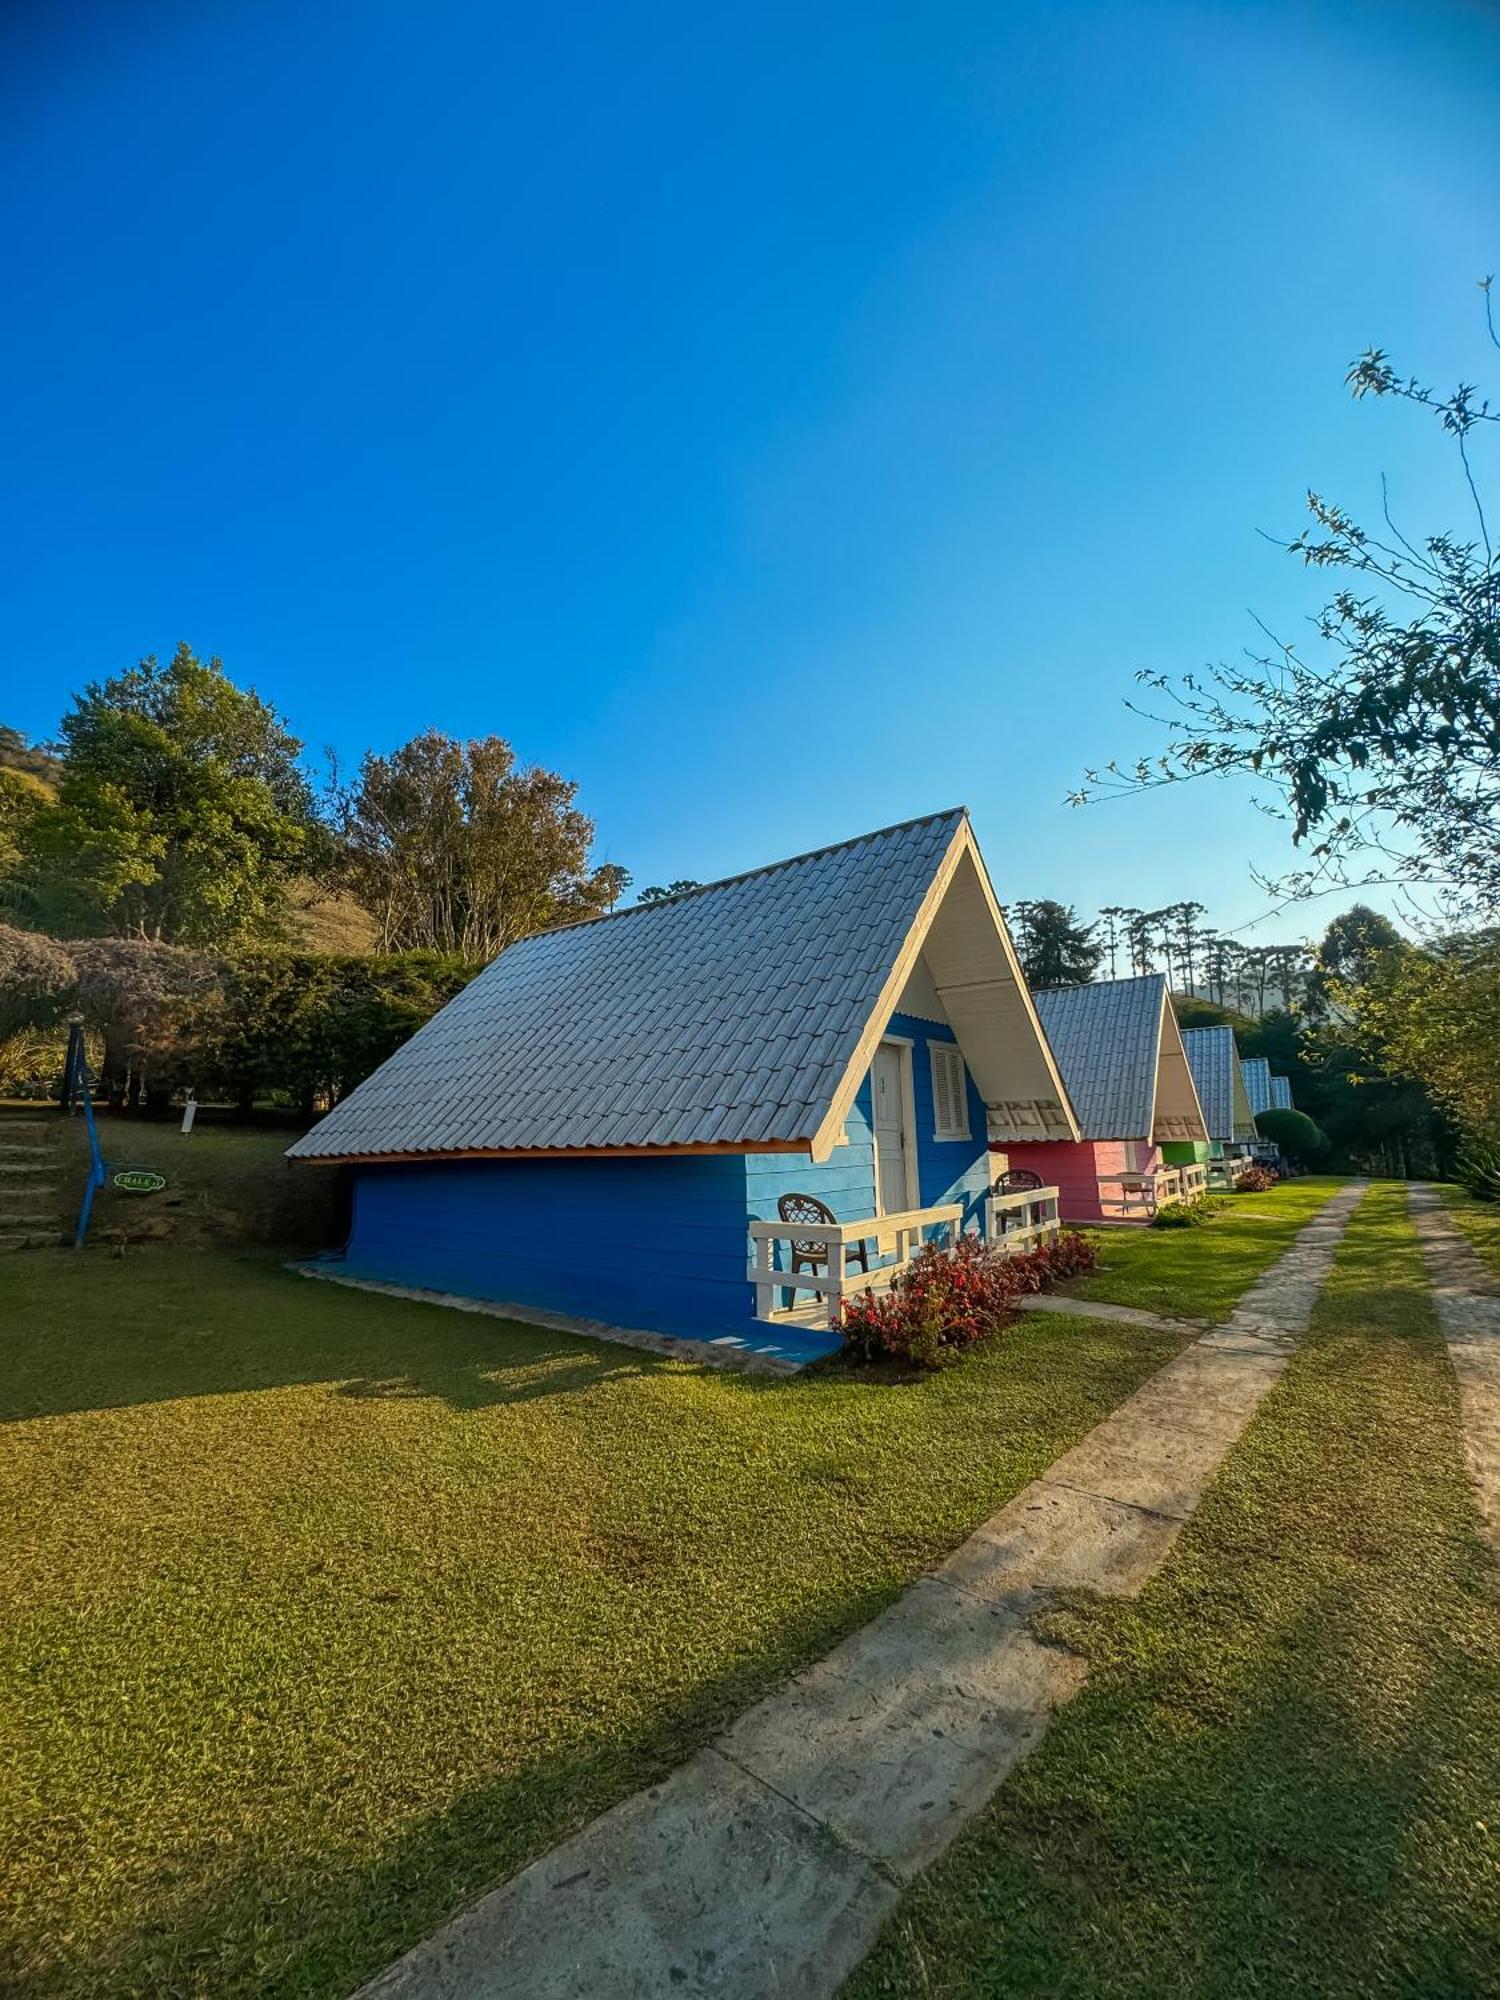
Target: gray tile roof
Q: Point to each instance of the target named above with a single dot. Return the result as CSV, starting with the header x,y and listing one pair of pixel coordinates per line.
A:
x,y
1107,1039
727,1015
1257,1082
1281,1093
1211,1057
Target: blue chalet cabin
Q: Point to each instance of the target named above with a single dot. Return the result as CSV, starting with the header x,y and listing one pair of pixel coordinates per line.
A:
x,y
594,1124
1220,1082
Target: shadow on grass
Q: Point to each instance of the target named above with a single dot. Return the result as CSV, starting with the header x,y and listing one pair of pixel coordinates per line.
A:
x,y
96,1333
1280,1776
297,1922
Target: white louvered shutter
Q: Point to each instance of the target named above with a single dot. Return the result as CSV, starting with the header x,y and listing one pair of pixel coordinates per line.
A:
x,y
950,1105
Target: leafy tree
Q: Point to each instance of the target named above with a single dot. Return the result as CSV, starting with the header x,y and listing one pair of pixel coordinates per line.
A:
x,y
1434,1017
181,814
306,1027
21,799
1375,1115
1352,948
1054,948
1295,1133
37,979
143,997
1383,749
657,894
455,848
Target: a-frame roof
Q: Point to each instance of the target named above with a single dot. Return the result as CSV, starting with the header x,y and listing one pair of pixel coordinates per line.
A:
x,y
1257,1071
1281,1092
1215,1064
1120,1051
737,1017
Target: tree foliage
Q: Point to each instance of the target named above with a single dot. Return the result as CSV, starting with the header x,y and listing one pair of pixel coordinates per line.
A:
x,y
37,978
454,848
1054,948
1434,1017
180,815
659,893
1298,1136
142,996
1382,746
306,1027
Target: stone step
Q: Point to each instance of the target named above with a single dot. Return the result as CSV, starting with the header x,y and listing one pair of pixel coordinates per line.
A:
x,y
28,1239
18,1170
15,1150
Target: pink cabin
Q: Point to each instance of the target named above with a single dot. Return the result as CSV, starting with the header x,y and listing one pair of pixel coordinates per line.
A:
x,y
1145,1141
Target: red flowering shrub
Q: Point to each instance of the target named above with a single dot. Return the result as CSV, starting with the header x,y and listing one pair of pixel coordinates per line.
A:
x,y
1254,1179
946,1300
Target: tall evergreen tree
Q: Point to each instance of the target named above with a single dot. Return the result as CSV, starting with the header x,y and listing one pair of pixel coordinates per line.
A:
x,y
1055,949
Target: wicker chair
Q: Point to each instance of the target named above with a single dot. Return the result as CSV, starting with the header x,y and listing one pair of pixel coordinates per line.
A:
x,y
813,1255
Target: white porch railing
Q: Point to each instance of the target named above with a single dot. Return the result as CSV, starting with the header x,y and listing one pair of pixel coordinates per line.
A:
x,y
1019,1222
1194,1180
1138,1196
835,1282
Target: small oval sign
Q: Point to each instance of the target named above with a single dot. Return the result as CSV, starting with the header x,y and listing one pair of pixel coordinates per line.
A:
x,y
138,1180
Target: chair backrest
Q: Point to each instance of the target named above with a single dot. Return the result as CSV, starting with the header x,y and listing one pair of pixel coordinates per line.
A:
x,y
805,1208
1017,1181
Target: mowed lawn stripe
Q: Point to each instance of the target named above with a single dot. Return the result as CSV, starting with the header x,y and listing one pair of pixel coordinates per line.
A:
x,y
1281,1778
1203,1272
320,1611
1479,1221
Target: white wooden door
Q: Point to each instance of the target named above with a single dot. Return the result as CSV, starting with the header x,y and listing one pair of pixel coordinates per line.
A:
x,y
887,1078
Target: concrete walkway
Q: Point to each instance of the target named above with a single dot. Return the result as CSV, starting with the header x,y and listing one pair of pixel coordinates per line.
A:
x,y
766,1865
1048,1302
1468,1305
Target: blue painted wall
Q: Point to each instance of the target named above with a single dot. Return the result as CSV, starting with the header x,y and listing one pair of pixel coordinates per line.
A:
x,y
661,1244
644,1243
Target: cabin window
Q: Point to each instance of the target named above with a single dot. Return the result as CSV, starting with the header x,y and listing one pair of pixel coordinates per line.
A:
x,y
950,1095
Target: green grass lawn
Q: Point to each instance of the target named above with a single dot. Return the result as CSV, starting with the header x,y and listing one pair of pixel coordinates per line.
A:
x,y
1203,1271
1479,1221
1283,1776
319,1611
226,1184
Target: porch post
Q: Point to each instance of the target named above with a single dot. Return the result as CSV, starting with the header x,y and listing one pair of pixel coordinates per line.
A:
x,y
835,1283
765,1291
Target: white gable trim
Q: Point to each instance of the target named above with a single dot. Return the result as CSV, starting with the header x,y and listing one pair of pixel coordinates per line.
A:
x,y
1176,1112
971,997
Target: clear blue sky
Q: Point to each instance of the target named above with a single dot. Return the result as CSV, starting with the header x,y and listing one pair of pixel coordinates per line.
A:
x,y
782,420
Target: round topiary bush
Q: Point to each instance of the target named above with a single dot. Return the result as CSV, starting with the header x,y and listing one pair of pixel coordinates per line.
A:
x,y
1295,1133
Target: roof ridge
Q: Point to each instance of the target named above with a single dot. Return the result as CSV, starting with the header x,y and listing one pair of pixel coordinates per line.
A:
x,y
1098,985
750,874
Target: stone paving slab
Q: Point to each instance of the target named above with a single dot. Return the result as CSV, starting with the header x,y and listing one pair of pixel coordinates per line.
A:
x,y
1046,1302
1468,1307
903,1733
766,1866
1053,1538
709,1883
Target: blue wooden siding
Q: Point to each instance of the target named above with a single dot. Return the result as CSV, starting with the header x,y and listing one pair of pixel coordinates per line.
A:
x,y
947,1169
662,1243
658,1244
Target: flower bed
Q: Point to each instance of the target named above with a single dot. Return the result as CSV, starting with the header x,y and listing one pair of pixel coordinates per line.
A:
x,y
945,1300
